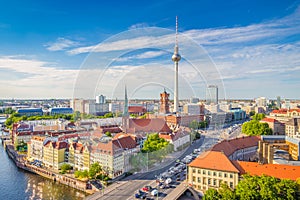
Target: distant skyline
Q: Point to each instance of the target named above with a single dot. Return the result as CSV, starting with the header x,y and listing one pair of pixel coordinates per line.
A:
x,y
248,48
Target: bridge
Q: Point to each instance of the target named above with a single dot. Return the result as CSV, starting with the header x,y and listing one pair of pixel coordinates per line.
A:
x,y
181,189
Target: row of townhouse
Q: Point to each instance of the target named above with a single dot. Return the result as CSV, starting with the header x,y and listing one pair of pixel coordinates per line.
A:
x,y
111,153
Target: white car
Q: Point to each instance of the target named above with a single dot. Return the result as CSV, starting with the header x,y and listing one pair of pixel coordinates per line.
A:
x,y
154,192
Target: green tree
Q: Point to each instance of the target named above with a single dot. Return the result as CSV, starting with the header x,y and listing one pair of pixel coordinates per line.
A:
x,y
154,143
258,116
251,113
107,133
226,192
65,167
211,194
256,128
248,188
108,115
194,125
94,170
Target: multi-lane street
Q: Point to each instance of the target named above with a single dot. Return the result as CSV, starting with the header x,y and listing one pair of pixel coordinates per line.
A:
x,y
129,186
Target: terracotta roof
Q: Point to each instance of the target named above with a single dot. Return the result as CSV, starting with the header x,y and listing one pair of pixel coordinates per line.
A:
x,y
136,109
111,128
125,142
230,146
266,119
280,111
279,171
149,125
295,109
173,136
215,161
38,138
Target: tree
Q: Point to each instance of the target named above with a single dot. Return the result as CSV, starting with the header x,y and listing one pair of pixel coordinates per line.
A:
x,y
94,170
211,194
251,113
266,187
65,167
194,125
107,133
248,188
258,116
226,192
154,143
256,128
108,115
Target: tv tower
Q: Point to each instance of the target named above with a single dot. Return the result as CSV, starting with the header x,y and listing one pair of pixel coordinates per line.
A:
x,y
176,58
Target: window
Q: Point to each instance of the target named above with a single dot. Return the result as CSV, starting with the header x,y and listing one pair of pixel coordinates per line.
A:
x,y
231,175
194,170
225,175
199,171
215,173
209,181
199,180
215,182
204,181
208,172
204,172
194,178
231,184
220,174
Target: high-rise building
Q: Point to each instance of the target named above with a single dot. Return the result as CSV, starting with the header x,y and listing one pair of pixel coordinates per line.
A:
x,y
164,102
278,102
261,102
176,58
100,99
212,94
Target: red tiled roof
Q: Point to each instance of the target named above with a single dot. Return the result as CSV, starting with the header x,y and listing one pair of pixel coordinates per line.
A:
x,y
276,170
215,161
125,142
266,119
136,109
295,109
149,125
230,146
280,111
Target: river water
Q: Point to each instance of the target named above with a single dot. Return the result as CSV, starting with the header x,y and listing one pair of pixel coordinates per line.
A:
x,y
17,184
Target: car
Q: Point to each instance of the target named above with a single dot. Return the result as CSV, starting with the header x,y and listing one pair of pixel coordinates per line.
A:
x,y
147,188
154,192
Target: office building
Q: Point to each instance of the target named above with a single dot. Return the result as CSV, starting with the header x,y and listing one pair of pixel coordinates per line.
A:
x,y
212,94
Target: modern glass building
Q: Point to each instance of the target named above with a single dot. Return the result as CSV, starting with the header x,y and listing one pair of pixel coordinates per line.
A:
x,y
212,94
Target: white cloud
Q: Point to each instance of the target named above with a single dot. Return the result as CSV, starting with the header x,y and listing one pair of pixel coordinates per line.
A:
x,y
139,25
39,80
61,44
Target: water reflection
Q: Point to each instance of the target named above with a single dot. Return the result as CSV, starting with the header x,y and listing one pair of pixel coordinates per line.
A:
x,y
17,184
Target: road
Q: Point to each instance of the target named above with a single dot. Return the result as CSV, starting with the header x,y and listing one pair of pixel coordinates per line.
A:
x,y
126,188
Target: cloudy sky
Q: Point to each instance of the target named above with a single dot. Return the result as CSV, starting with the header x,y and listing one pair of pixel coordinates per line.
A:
x,y
55,49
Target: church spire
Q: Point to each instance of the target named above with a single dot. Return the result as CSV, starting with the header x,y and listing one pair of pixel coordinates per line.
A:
x,y
125,111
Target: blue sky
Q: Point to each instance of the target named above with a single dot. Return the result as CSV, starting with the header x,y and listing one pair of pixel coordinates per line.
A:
x,y
55,49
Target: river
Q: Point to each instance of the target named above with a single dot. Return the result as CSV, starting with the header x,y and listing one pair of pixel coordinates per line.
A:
x,y
17,184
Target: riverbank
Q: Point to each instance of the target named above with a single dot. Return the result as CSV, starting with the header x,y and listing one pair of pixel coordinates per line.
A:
x,y
20,161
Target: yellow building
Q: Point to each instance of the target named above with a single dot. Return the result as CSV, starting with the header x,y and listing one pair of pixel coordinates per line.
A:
x,y
79,156
210,170
35,148
54,154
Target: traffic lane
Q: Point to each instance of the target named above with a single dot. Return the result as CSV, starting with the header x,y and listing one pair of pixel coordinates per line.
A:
x,y
125,191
